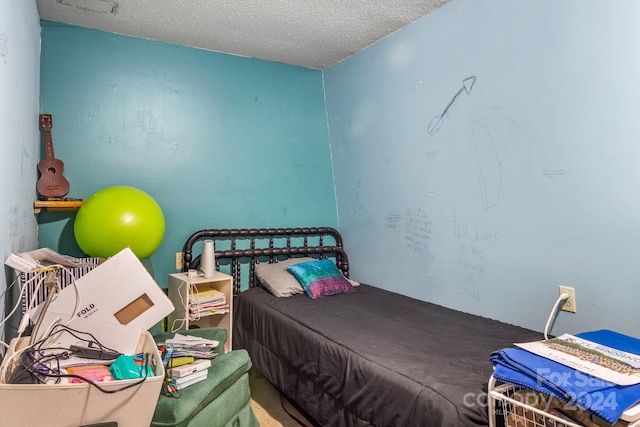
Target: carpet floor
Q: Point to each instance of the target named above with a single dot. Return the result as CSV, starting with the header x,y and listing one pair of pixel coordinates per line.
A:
x,y
268,405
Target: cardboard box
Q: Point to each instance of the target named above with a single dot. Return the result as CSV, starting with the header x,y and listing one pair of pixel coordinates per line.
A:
x,y
74,405
120,291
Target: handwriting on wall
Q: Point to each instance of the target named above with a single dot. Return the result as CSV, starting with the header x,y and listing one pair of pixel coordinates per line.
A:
x,y
4,45
416,227
553,173
13,222
468,230
474,241
394,221
417,230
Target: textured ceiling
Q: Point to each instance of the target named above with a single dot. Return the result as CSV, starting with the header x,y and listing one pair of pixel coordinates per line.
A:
x,y
309,33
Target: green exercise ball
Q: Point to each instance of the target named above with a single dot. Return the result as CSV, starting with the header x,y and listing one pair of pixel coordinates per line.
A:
x,y
116,218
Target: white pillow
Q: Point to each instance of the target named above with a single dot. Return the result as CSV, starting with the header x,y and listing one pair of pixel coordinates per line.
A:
x,y
277,280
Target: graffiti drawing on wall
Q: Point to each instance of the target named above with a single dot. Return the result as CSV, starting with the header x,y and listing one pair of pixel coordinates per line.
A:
x,y
436,122
488,164
500,154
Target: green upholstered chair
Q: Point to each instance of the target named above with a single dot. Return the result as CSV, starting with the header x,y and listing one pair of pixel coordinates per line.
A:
x,y
222,400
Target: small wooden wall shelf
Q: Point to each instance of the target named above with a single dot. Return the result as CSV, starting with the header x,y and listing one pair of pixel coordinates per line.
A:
x,y
58,205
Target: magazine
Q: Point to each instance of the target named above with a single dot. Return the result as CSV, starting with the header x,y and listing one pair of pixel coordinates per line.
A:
x,y
609,364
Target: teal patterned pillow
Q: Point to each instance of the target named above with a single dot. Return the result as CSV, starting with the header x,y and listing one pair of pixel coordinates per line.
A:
x,y
320,278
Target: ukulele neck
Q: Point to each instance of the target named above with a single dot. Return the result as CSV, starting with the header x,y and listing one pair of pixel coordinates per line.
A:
x,y
48,146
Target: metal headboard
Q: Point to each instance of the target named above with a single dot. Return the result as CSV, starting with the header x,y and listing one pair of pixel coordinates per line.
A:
x,y
239,250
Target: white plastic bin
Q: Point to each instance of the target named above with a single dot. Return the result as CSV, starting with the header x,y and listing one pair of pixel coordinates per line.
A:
x,y
74,405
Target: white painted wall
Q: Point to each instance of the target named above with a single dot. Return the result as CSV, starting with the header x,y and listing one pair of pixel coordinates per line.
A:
x,y
19,131
486,197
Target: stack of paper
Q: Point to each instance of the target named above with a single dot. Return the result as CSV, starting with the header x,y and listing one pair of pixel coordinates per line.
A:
x,y
185,345
207,301
40,258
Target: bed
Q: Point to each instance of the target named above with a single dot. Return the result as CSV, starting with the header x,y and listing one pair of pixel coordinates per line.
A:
x,y
369,357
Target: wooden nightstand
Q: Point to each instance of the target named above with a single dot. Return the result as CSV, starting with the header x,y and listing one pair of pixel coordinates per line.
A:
x,y
182,288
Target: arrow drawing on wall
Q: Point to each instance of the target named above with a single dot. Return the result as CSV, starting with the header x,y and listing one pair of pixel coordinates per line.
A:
x,y
436,122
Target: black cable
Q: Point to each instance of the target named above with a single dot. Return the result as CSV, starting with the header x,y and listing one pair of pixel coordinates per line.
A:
x,y
93,383
73,333
28,361
43,361
170,388
296,419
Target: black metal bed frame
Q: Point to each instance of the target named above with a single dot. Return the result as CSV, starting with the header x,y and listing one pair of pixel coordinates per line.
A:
x,y
235,248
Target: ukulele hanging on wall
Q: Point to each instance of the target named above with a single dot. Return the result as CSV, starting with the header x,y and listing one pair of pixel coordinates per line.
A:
x,y
51,184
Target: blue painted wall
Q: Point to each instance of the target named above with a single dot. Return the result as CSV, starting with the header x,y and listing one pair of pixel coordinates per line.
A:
x,y
488,153
19,139
218,140
483,155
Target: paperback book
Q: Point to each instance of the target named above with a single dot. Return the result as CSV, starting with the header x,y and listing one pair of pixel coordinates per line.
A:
x,y
186,381
190,368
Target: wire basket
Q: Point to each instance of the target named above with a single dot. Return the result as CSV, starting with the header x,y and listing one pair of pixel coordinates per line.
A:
x,y
528,408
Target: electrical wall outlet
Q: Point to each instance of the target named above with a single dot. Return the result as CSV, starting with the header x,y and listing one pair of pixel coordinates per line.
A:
x,y
570,303
179,261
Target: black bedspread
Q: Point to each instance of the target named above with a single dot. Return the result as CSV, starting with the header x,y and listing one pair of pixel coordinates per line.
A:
x,y
373,357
